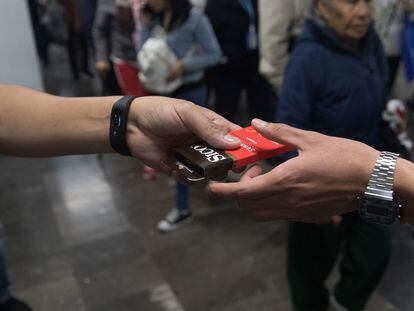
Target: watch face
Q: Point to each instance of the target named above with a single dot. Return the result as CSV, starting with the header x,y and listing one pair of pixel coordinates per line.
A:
x,y
378,211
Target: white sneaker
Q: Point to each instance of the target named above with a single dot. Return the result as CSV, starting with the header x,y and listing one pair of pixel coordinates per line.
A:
x,y
174,220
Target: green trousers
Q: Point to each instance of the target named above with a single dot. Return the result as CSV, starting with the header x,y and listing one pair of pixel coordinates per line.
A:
x,y
365,251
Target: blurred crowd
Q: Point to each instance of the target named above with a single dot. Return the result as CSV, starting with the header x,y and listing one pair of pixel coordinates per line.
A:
x,y
324,65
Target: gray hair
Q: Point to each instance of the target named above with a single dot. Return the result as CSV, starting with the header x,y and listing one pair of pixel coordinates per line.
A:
x,y
314,14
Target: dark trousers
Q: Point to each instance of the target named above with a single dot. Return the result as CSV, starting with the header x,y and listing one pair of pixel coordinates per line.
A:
x,y
109,83
393,66
88,10
228,85
313,250
78,53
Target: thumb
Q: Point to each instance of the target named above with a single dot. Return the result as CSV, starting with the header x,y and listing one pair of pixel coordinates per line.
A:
x,y
211,127
281,133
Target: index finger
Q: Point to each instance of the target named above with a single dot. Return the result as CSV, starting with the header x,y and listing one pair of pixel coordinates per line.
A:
x,y
245,189
282,133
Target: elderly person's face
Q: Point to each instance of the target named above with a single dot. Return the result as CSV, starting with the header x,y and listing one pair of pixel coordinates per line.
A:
x,y
350,19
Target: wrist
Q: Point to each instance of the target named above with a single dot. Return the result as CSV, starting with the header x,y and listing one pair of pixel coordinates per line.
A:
x,y
120,125
99,120
134,112
83,125
101,117
134,116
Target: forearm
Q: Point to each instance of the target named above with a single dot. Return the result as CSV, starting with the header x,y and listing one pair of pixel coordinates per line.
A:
x,y
35,124
404,188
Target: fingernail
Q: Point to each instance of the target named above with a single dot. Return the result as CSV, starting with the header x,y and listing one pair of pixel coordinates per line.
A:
x,y
231,139
259,123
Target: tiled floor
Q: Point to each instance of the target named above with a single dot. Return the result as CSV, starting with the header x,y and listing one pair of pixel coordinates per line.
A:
x,y
81,235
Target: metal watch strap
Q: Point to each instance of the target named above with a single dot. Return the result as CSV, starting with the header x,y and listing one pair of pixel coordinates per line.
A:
x,y
378,204
382,176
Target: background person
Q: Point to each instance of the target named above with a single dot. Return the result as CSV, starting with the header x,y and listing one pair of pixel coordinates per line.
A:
x,y
114,34
7,301
389,17
77,44
235,23
281,23
336,84
189,35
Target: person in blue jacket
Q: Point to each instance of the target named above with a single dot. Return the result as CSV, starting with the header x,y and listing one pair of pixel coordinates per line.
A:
x,y
336,84
191,38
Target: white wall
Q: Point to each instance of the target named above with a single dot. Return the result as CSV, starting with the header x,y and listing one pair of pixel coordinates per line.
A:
x,y
19,63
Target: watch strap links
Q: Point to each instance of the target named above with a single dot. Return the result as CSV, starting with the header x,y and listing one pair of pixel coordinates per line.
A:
x,y
378,204
382,176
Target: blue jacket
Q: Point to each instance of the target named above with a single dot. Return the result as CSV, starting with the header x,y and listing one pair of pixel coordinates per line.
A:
x,y
330,89
194,42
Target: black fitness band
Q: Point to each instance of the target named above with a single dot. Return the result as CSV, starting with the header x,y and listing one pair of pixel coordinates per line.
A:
x,y
118,125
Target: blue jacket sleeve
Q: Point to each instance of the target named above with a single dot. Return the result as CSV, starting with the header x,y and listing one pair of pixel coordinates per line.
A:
x,y
300,88
144,33
208,51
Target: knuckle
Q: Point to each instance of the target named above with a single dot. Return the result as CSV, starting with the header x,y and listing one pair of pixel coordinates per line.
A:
x,y
215,123
293,202
218,192
277,127
286,184
313,138
296,179
214,190
242,193
186,105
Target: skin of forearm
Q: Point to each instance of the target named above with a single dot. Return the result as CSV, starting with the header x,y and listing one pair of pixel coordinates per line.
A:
x,y
404,188
35,124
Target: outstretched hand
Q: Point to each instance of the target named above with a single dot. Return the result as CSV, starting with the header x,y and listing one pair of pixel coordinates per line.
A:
x,y
322,181
158,124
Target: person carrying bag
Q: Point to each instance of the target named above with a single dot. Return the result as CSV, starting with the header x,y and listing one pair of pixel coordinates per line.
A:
x,y
176,45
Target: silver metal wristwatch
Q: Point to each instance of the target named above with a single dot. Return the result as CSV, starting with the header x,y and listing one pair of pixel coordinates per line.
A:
x,y
378,204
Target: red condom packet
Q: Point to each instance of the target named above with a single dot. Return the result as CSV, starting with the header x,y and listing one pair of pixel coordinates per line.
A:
x,y
201,161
